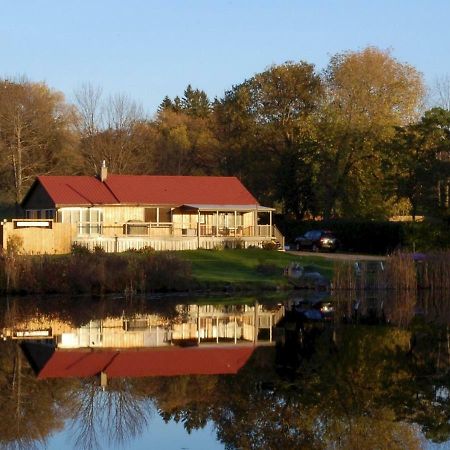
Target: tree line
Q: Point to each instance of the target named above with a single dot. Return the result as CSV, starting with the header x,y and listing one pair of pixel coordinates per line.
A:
x,y
353,140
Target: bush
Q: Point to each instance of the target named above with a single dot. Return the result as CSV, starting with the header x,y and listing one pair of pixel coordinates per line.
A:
x,y
78,249
270,245
95,273
375,237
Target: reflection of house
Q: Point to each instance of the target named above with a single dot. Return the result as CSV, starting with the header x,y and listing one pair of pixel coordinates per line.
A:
x,y
196,323
201,339
117,212
199,324
169,361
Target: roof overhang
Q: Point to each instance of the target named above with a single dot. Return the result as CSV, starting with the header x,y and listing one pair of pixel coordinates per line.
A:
x,y
229,208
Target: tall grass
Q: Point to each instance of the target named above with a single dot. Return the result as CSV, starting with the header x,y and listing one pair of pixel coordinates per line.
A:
x,y
400,272
401,285
434,271
93,273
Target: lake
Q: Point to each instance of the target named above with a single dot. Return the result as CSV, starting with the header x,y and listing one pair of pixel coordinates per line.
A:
x,y
293,371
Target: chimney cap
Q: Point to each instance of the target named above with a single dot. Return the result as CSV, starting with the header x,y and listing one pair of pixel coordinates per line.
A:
x,y
103,172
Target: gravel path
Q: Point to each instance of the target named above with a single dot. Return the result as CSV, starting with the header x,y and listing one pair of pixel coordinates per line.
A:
x,y
339,256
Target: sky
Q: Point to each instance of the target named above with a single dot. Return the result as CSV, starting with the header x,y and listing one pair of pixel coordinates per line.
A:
x,y
146,49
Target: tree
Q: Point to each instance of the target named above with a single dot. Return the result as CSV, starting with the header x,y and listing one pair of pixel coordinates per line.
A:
x,y
36,133
419,162
265,124
165,105
184,144
195,102
369,93
108,131
441,92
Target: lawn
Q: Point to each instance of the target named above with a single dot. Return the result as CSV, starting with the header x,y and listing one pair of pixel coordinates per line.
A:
x,y
252,266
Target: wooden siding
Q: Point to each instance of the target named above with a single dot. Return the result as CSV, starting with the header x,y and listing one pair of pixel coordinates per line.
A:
x,y
118,215
55,240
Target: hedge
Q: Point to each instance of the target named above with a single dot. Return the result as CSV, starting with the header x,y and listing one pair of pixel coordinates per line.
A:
x,y
374,237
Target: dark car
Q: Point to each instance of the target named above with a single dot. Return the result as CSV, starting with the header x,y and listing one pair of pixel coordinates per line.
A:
x,y
322,310
317,240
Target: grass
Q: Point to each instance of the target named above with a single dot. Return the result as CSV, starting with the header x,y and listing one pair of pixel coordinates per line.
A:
x,y
253,266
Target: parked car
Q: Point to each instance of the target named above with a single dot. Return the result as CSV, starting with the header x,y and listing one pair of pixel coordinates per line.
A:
x,y
317,240
322,310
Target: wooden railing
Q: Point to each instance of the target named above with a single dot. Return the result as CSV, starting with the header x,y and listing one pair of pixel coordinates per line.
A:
x,y
153,229
147,228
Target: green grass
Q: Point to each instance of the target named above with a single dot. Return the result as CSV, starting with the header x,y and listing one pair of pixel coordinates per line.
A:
x,y
240,267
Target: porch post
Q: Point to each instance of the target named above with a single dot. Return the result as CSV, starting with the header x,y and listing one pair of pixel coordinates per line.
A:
x,y
198,229
198,324
217,223
270,222
255,324
270,327
235,220
217,329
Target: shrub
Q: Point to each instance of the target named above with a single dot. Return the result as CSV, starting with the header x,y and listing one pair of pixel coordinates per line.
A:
x,y
375,237
272,245
78,249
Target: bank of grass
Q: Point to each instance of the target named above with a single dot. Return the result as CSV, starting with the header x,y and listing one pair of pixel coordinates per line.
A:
x,y
101,273
246,269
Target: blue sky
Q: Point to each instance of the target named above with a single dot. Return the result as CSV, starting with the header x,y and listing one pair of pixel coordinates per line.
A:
x,y
148,49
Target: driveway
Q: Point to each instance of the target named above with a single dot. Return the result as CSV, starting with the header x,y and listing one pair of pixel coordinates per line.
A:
x,y
339,256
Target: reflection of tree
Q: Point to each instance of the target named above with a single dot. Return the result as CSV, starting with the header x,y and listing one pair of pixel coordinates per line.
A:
x,y
31,409
117,413
348,393
341,386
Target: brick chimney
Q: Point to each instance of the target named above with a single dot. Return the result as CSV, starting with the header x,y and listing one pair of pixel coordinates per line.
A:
x,y
103,172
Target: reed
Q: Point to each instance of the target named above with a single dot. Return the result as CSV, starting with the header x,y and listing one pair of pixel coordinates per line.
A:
x,y
434,271
97,274
344,277
400,272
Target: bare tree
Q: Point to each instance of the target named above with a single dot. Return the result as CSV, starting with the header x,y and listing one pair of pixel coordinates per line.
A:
x,y
107,129
441,92
88,99
117,413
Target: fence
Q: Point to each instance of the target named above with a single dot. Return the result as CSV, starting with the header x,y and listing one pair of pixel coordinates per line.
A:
x,y
38,236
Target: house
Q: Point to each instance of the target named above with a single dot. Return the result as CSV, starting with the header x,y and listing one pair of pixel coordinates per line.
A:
x,y
119,212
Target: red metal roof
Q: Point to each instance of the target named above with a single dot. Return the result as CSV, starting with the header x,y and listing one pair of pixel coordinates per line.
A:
x,y
179,190
146,189
168,361
76,190
67,364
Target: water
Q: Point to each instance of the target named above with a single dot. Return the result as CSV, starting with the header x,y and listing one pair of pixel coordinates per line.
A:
x,y
225,373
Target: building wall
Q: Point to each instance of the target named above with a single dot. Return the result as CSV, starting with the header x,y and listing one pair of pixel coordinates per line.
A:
x,y
121,214
38,199
55,240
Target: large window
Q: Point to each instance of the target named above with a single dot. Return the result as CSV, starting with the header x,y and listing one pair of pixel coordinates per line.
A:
x,y
88,220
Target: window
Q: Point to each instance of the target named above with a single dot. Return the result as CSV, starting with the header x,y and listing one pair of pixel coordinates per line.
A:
x,y
165,214
158,215
88,220
150,214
